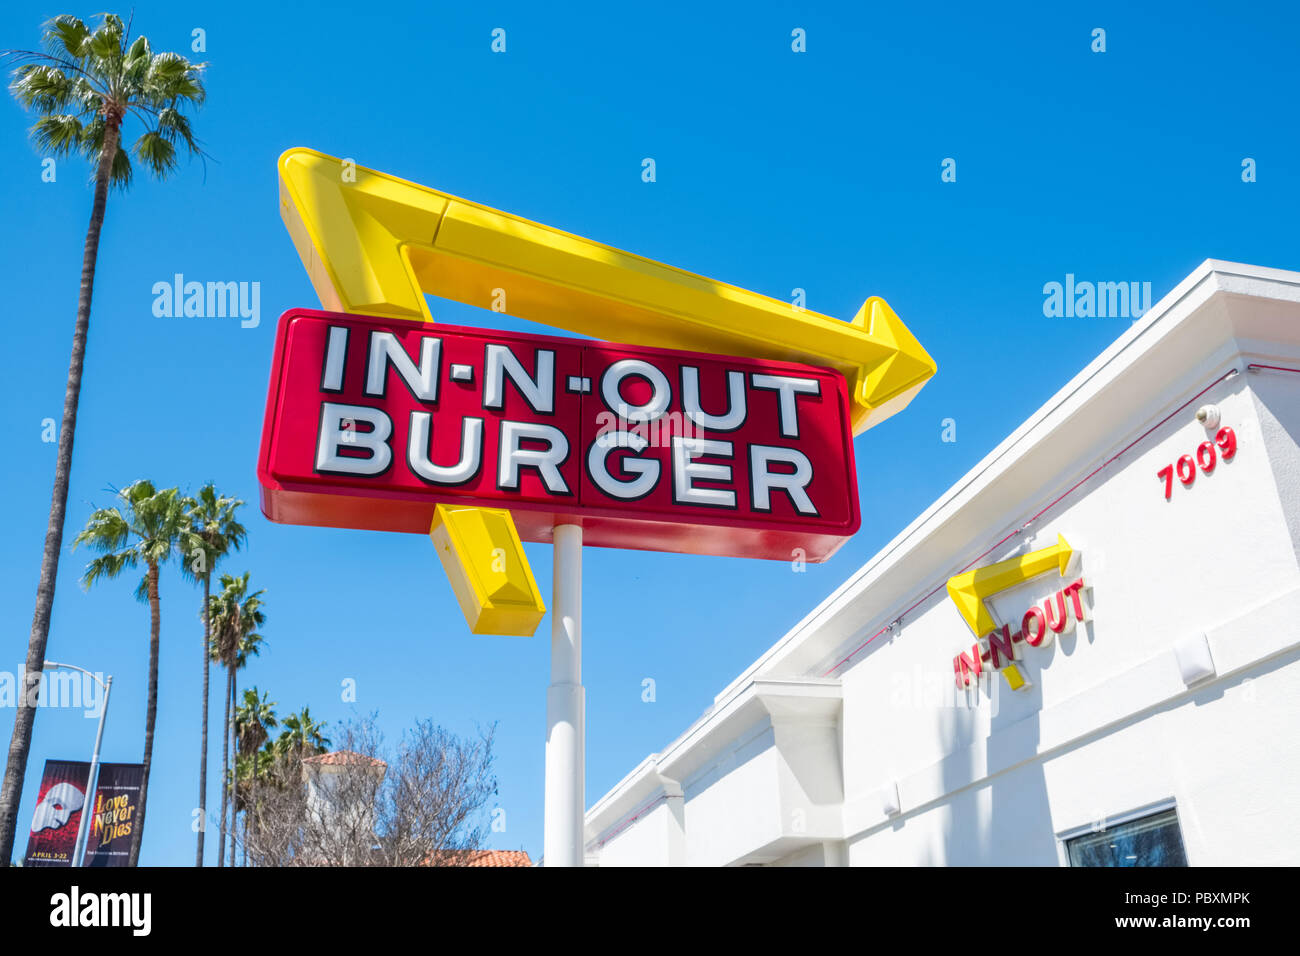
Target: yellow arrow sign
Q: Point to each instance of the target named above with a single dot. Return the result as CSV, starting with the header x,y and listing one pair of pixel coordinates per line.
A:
x,y
970,589
374,243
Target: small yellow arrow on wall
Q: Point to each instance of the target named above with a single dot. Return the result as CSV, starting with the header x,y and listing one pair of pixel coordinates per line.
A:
x,y
970,589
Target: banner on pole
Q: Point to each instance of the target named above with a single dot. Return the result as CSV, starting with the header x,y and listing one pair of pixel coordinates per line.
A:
x,y
61,800
116,804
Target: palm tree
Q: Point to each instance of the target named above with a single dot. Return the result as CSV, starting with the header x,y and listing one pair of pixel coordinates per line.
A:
x,y
144,530
83,87
302,736
247,769
235,613
216,533
254,719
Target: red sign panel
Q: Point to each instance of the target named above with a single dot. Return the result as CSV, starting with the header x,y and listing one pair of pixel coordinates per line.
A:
x,y
371,422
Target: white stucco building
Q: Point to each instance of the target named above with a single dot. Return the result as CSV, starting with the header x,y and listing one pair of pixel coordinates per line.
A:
x,y
1161,728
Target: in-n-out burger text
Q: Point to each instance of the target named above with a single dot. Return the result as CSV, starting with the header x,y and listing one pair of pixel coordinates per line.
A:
x,y
1000,649
371,422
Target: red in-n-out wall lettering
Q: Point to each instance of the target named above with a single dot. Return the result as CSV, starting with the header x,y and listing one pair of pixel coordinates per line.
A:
x,y
999,649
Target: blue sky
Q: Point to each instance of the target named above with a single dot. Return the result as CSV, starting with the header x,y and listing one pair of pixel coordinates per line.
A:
x,y
775,170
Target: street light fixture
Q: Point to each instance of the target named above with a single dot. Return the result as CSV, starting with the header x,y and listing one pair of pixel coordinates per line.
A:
x,y
79,850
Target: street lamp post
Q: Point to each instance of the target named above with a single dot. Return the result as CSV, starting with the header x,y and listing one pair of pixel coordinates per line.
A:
x,y
79,850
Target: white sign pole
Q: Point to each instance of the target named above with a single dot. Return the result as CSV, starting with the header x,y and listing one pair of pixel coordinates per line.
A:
x,y
565,708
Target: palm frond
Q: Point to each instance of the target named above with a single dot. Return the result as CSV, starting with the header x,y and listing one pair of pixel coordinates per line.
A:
x,y
156,153
107,530
172,77
67,34
42,87
137,62
174,127
108,566
105,44
58,135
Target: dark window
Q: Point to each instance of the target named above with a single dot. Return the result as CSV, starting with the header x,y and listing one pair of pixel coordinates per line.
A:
x,y
1148,841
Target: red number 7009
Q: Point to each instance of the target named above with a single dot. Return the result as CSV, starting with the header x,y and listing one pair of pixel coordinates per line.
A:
x,y
1206,456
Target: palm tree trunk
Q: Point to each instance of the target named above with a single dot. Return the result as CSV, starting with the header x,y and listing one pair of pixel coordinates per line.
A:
x,y
225,768
203,727
234,762
151,713
21,741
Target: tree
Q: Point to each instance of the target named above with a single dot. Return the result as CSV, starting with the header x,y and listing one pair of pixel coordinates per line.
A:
x,y
362,805
144,529
83,86
302,736
235,614
215,533
254,720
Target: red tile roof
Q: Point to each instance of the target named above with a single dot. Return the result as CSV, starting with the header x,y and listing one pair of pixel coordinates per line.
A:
x,y
500,858
341,758
483,858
